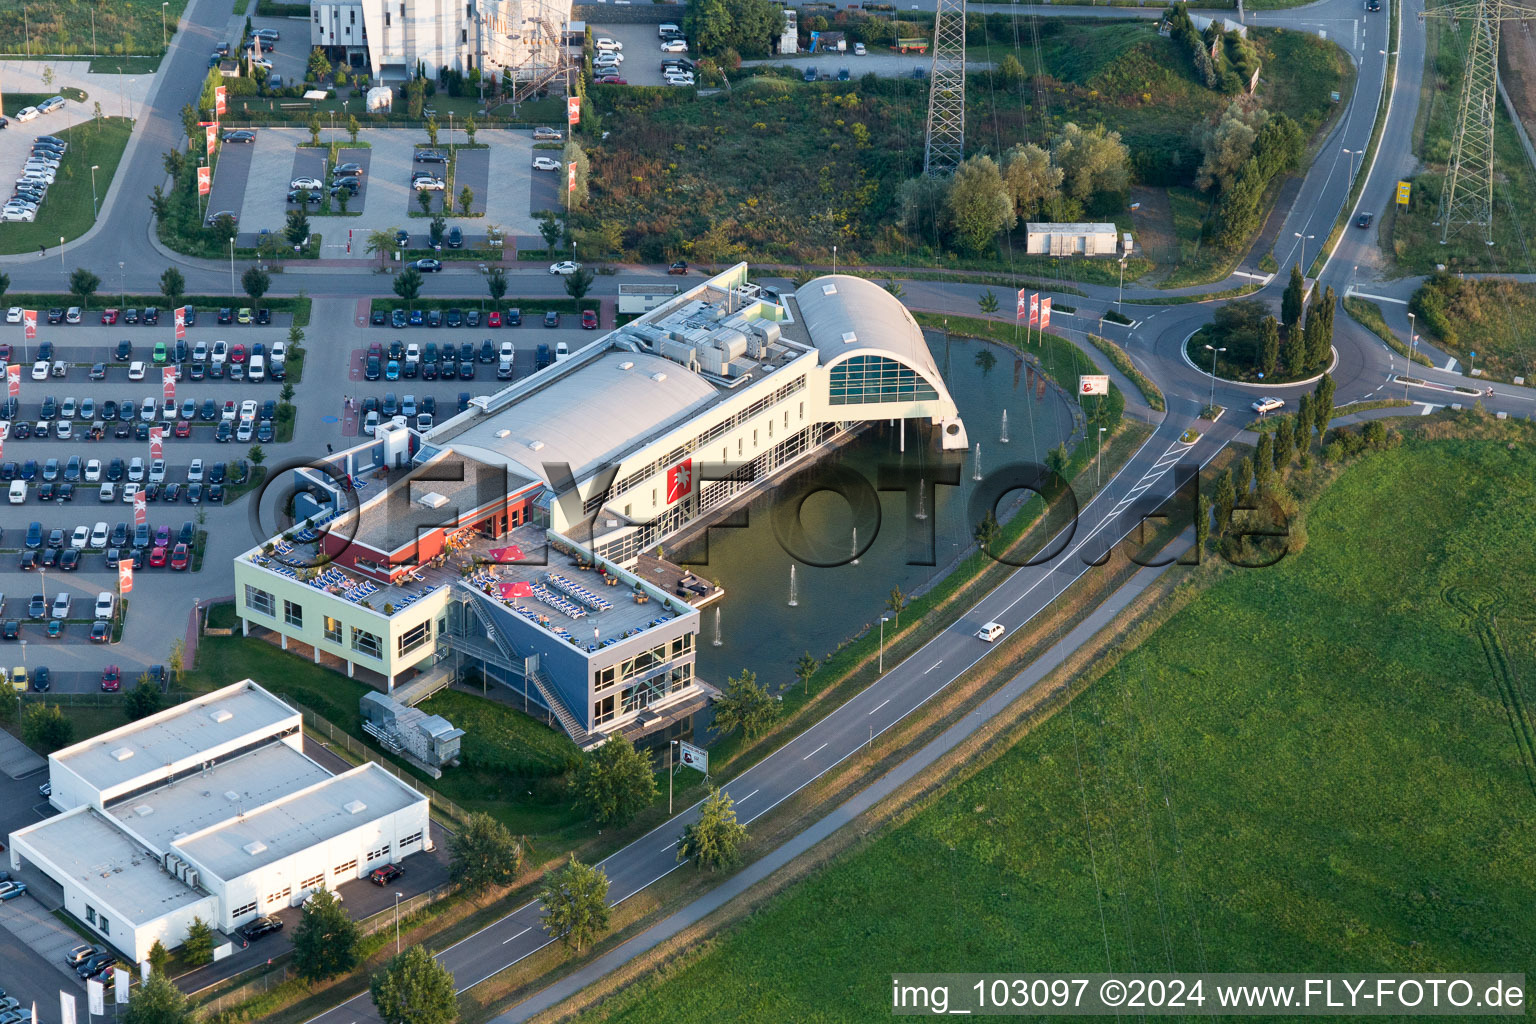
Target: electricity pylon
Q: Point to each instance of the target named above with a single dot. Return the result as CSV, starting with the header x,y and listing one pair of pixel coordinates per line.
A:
x,y
1466,200
945,143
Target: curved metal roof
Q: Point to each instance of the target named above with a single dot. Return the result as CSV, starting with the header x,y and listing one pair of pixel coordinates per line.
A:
x,y
851,316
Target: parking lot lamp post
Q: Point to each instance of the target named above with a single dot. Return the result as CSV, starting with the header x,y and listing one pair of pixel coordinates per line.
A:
x,y
61,254
231,265
165,40
883,620
397,924
1213,352
122,282
1098,460
93,190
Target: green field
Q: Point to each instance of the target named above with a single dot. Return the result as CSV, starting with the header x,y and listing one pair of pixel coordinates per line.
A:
x,y
1311,767
1491,317
66,212
68,27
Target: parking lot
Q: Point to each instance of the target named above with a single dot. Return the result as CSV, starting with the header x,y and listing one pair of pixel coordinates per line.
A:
x,y
642,51
259,176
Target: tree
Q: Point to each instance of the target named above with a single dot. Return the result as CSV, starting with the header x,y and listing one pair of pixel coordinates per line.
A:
x,y
1285,442
469,125
894,604
178,659
713,841
496,283
1269,346
159,1001
414,988
82,285
436,228
987,301
432,131
343,197
1322,404
1092,162
1304,417
353,127
747,27
5,283
48,75
325,941
314,129
408,284
208,99
1264,460
159,203
424,200
979,204
198,947
745,705
578,284
257,455
896,290
466,199
924,206
175,161
987,531
1228,144
319,65
297,229
1202,521
483,854
615,782
189,119
575,156
173,285
381,244
143,700
805,668
1242,479
255,281
549,227
1290,302
1226,500
1031,178
159,957
1056,459
1009,71
575,903
986,361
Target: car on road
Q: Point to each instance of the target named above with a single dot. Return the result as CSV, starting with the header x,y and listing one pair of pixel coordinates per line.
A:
x,y
859,50
303,195
261,926
1268,405
26,114
1364,220
240,137
428,266
111,679
564,268
588,320
547,135
680,267
100,632
10,890
431,156
455,238
611,80
990,632
545,163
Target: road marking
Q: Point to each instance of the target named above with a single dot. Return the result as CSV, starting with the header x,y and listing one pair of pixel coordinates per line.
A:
x,y
749,796
1450,364
883,703
1378,298
934,665
519,935
669,846
1428,408
813,753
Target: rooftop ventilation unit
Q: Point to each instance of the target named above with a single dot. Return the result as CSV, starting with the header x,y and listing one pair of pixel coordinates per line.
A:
x,y
122,753
503,432
231,795
355,807
626,365
829,289
535,446
221,716
143,810
432,499
255,848
658,377
849,337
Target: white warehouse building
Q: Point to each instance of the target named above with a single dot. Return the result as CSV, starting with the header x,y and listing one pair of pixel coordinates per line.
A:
x,y
210,809
389,38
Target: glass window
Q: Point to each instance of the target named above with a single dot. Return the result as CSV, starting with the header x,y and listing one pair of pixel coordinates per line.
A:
x,y
333,629
367,643
257,600
861,380
293,614
414,637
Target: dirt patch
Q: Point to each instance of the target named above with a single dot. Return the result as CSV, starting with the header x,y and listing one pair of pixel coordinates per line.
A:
x,y
1517,58
1154,230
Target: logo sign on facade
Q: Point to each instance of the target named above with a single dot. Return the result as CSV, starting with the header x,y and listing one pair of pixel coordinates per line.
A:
x,y
690,756
679,481
1093,384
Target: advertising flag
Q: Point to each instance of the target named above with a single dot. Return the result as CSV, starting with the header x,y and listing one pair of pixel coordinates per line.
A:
x,y
1034,309
168,382
218,100
119,986
573,110
1045,313
96,995
181,322
140,509
679,481
571,178
211,132
29,321
204,180
1023,306
1093,384
66,1008
13,381
156,443
125,576
690,756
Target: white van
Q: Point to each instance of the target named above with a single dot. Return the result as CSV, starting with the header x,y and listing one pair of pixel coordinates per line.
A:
x,y
18,492
562,351
990,632
258,368
667,29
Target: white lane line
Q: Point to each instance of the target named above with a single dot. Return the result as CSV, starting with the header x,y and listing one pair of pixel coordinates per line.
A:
x,y
934,666
881,705
519,935
670,846
749,796
813,753
1450,364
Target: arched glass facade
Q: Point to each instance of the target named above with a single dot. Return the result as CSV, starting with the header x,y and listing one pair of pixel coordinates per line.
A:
x,y
864,380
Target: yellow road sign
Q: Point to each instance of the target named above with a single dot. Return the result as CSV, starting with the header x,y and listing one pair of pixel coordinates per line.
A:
x,y
1403,189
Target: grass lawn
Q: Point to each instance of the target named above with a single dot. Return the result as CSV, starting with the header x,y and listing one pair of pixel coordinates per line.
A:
x,y
1490,317
66,212
68,27
17,100
1310,767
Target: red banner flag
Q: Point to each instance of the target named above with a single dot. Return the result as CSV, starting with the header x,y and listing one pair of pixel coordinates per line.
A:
x,y
1034,309
212,134
140,509
29,323
1023,306
218,100
156,443
13,381
573,110
1045,313
572,178
168,383
181,322
125,576
204,180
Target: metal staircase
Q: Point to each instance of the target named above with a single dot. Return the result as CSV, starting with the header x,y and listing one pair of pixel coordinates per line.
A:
x,y
542,683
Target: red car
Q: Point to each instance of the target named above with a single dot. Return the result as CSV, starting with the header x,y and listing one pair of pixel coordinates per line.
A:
x,y
157,558
111,679
588,320
376,350
611,80
5,353
109,316
494,320
183,429
237,353
181,558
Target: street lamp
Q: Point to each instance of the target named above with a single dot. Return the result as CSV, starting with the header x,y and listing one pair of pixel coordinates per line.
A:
x,y
122,282
1213,351
1121,299
231,266
397,924
1301,241
883,620
1352,153
61,254
165,40
834,261
94,168
1098,461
